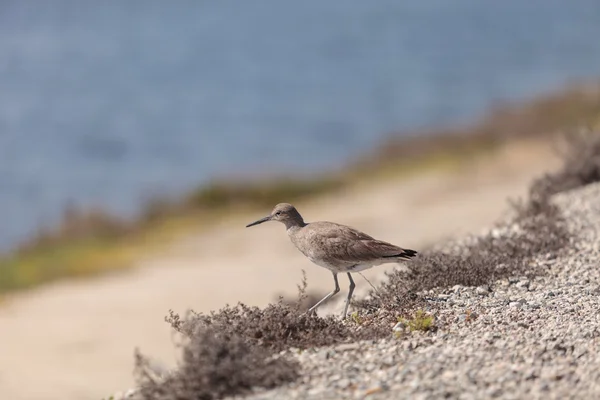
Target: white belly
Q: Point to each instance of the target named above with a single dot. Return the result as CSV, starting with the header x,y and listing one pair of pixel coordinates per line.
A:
x,y
361,267
343,268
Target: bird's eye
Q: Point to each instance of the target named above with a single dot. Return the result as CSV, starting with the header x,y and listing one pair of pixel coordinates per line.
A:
x,y
278,213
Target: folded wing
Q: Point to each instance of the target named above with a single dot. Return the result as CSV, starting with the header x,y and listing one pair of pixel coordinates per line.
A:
x,y
348,244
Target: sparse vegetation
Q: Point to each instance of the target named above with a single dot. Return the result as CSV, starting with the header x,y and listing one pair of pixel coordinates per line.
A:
x,y
234,349
481,260
216,364
277,326
581,155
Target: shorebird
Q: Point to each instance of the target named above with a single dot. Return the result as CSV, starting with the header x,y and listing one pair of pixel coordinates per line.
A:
x,y
339,248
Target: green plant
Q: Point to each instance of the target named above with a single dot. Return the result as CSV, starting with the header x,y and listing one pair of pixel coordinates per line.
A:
x,y
356,318
421,321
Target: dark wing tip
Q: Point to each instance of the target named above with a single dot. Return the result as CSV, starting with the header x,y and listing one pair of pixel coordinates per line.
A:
x,y
406,254
409,253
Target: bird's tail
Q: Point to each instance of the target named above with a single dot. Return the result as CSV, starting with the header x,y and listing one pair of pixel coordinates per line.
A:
x,y
405,254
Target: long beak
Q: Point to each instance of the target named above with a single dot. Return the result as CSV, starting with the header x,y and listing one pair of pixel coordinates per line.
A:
x,y
260,221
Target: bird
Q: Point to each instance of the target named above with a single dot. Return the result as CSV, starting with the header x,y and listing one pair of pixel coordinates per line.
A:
x,y
338,248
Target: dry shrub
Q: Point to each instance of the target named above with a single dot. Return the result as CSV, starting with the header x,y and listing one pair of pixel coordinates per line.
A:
x,y
581,166
505,251
278,326
232,350
215,364
275,327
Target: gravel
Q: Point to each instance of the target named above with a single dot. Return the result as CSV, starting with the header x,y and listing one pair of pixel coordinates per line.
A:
x,y
518,338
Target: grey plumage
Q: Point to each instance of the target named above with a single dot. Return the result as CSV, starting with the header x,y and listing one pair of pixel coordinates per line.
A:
x,y
339,248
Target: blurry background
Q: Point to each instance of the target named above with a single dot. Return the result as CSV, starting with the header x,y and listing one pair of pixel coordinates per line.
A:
x,y
107,105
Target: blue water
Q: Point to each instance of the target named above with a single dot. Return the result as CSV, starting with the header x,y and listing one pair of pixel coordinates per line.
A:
x,y
104,103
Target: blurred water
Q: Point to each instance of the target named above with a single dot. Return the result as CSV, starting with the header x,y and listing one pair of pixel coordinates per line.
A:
x,y
105,102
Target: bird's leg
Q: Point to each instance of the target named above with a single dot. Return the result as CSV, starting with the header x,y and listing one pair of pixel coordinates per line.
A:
x,y
350,291
330,295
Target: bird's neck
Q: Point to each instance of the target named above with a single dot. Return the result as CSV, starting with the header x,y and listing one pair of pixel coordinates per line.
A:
x,y
295,225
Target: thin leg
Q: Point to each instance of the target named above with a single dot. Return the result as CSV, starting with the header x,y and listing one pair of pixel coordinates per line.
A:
x,y
352,286
330,295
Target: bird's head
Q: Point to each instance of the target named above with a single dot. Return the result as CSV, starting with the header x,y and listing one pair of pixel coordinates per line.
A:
x,y
284,213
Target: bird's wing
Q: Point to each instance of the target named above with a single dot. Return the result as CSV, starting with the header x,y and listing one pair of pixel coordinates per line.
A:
x,y
344,243
367,250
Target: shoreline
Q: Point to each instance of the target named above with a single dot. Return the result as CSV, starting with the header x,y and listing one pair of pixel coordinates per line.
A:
x,y
91,242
